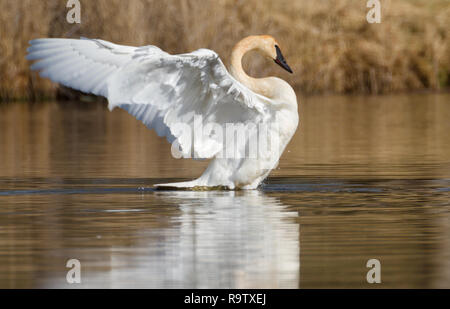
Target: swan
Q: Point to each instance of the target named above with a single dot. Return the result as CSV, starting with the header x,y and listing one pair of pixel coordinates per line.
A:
x,y
179,94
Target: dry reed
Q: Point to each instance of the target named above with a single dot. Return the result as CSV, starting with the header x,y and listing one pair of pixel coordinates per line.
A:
x,y
329,44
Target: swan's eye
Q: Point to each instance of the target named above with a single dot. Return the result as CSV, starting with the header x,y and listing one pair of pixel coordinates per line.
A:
x,y
281,61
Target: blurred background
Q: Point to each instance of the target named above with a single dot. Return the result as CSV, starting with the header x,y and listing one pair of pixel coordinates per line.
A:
x,y
328,43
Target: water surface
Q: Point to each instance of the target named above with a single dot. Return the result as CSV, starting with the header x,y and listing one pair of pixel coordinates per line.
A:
x,y
363,178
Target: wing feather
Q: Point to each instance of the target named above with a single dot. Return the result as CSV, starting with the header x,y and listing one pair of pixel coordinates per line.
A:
x,y
176,95
79,63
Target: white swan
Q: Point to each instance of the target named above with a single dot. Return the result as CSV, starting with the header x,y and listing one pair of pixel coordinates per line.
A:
x,y
194,89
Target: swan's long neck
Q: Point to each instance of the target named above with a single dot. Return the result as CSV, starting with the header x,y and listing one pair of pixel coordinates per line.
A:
x,y
258,85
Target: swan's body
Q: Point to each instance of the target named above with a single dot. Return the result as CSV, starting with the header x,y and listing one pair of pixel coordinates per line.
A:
x,y
164,90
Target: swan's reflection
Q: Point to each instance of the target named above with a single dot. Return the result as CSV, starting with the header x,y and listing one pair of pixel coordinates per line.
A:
x,y
209,240
231,239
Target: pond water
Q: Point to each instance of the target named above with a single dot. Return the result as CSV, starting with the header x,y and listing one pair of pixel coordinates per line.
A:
x,y
363,178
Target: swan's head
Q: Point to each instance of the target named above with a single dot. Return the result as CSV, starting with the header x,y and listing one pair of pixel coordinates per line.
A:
x,y
264,44
270,48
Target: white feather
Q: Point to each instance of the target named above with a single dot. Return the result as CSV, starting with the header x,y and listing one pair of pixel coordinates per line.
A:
x,y
157,88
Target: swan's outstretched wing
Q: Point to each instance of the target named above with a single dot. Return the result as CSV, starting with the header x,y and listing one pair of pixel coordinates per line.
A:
x,y
83,64
177,95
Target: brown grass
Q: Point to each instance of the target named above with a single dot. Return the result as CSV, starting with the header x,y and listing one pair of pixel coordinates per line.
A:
x,y
329,44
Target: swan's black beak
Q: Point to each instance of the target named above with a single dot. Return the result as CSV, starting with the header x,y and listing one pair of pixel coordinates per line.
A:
x,y
281,61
